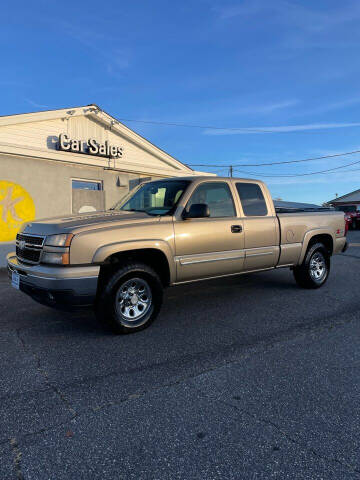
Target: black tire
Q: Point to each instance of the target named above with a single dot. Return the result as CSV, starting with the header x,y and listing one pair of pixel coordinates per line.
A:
x,y
306,274
115,300
354,225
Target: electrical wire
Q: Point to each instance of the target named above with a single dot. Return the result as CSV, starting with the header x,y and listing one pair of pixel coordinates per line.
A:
x,y
280,163
298,174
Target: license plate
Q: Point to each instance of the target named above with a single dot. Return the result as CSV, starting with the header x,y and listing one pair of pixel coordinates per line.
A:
x,y
15,280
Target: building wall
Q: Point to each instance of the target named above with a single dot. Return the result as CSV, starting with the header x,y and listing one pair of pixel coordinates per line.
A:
x,y
36,177
49,182
47,186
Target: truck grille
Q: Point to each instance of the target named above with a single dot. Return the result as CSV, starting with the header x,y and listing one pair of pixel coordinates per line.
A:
x,y
29,247
31,239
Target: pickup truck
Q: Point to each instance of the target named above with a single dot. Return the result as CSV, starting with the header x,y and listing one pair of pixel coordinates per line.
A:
x,y
352,215
165,233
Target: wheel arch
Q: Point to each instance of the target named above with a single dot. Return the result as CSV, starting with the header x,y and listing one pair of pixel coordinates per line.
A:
x,y
159,259
317,236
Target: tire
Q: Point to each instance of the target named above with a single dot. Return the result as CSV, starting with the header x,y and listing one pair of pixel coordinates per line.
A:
x,y
131,298
354,225
315,269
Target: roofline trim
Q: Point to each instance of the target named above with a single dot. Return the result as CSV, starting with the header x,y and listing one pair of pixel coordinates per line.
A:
x,y
346,194
93,109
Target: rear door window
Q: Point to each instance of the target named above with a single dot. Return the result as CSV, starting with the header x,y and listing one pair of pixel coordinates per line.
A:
x,y
252,199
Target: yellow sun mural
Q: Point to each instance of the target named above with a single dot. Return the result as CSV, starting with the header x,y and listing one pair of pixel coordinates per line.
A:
x,y
16,207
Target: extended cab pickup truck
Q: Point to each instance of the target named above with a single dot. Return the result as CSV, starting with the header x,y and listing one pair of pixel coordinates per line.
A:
x,y
164,233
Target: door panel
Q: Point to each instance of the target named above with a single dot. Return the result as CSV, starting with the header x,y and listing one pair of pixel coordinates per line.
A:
x,y
260,227
261,242
207,247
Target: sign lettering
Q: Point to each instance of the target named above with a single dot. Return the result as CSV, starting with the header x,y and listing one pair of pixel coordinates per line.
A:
x,y
89,147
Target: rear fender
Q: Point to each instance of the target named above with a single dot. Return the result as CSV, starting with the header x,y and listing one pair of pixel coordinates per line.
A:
x,y
311,234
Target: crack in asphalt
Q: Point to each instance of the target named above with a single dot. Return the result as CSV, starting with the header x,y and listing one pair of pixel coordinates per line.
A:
x,y
140,395
17,458
289,437
45,375
297,331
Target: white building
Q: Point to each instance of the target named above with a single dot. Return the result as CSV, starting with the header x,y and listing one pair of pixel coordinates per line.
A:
x,y
72,160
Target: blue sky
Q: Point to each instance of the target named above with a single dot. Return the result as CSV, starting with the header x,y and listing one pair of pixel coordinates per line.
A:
x,y
287,69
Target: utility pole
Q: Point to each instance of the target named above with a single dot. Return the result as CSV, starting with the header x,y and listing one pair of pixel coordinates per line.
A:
x,y
231,171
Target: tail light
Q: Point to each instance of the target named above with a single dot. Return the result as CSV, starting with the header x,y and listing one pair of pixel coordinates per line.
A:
x,y
346,225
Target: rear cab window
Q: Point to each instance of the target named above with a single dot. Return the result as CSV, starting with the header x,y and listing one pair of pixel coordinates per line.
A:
x,y
252,199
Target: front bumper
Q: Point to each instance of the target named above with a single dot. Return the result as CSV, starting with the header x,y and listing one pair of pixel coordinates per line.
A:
x,y
58,287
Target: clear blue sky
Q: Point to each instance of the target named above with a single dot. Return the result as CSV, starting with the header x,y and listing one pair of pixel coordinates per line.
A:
x,y
291,67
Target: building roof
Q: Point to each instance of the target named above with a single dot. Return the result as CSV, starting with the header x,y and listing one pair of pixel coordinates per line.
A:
x,y
94,112
348,197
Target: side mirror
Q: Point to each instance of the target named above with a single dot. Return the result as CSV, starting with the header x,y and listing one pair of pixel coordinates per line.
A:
x,y
197,210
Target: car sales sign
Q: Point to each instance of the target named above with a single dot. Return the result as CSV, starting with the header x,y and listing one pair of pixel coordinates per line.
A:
x,y
89,147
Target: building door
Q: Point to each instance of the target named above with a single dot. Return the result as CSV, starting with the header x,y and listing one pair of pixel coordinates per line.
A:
x,y
87,196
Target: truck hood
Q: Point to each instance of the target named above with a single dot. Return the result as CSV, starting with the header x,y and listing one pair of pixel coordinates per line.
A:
x,y
84,222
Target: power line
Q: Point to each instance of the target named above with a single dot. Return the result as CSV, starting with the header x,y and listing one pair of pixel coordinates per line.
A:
x,y
329,170
279,163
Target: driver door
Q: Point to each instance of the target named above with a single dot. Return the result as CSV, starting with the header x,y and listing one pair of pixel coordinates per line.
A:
x,y
213,246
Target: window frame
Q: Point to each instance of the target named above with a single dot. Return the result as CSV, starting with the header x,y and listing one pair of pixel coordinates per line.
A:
x,y
207,182
268,212
134,191
87,180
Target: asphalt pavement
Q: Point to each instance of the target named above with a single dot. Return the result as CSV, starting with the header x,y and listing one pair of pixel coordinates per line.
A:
x,y
240,378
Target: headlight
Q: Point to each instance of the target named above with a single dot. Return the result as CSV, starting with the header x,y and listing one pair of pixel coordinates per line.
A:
x,y
61,240
55,258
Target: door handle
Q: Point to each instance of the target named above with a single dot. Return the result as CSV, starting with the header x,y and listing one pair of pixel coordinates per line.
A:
x,y
236,228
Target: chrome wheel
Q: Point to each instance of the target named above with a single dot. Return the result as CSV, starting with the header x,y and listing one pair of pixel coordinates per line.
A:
x,y
318,266
133,300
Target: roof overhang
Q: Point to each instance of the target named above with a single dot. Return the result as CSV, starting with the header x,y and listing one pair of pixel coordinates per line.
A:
x,y
95,113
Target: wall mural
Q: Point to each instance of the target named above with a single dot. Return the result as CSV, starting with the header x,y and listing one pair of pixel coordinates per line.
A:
x,y
16,207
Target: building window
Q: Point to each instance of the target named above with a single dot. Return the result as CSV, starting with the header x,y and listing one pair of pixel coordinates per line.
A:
x,y
87,184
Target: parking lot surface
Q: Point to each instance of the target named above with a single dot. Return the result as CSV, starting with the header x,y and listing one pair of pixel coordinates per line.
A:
x,y
240,378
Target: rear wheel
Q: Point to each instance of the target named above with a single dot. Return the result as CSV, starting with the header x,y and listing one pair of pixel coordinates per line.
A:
x,y
131,298
354,224
314,271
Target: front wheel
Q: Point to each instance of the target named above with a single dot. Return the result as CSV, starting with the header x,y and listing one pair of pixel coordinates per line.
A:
x,y
131,298
314,271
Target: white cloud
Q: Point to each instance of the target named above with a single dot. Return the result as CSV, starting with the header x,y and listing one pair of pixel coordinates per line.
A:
x,y
35,104
305,27
266,108
331,106
289,12
280,129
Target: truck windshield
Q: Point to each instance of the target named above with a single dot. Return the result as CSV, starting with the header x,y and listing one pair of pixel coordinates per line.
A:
x,y
154,198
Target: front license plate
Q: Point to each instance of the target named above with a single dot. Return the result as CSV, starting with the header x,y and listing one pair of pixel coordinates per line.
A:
x,y
15,280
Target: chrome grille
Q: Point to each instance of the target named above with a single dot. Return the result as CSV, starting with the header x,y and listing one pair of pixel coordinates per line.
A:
x,y
29,247
31,239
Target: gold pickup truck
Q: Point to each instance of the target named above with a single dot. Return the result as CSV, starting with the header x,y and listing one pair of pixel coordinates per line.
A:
x,y
165,233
